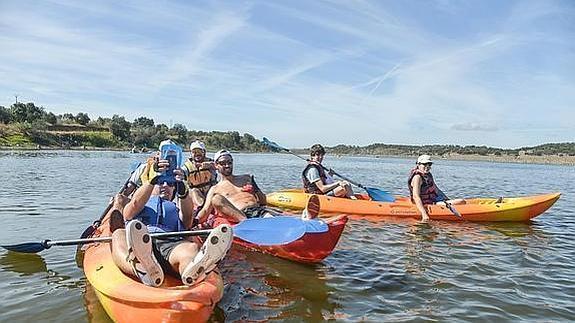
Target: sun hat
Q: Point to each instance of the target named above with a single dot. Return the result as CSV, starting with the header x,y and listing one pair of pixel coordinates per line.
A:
x,y
424,159
197,145
221,153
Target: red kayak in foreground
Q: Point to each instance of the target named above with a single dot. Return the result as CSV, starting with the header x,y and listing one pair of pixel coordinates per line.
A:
x,y
311,247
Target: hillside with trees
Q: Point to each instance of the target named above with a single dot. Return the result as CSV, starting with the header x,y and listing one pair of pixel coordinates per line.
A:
x,y
26,125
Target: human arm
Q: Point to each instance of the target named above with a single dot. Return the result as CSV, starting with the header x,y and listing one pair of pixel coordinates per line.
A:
x,y
148,177
416,193
207,208
186,203
260,196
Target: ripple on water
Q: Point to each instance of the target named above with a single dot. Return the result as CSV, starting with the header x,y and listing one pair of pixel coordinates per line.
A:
x,y
383,270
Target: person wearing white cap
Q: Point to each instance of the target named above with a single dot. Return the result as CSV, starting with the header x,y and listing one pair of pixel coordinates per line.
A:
x,y
200,172
236,197
423,189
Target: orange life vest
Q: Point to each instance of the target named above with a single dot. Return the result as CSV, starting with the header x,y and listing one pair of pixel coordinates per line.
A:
x,y
200,178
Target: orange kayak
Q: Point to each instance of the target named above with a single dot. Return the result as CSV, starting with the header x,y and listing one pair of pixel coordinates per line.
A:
x,y
127,300
511,209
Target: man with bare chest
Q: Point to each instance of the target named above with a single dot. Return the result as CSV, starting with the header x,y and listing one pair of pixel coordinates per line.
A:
x,y
235,197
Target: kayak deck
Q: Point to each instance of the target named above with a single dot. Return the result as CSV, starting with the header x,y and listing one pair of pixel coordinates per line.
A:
x,y
128,300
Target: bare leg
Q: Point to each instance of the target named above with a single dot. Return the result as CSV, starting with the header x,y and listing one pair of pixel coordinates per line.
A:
x,y
457,201
222,205
120,251
182,255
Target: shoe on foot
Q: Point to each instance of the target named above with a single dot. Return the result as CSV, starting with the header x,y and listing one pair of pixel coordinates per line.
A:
x,y
312,208
212,251
141,256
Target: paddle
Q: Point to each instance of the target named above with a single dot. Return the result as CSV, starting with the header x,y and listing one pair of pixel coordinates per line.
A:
x,y
375,194
278,230
89,230
263,231
452,209
34,247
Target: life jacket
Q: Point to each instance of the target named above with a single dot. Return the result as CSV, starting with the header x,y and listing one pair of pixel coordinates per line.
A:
x,y
428,190
312,187
161,215
198,178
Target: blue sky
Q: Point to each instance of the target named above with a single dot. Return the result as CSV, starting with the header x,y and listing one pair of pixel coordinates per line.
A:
x,y
496,73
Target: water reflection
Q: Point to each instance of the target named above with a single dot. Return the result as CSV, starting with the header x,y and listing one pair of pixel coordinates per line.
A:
x,y
95,312
262,287
23,264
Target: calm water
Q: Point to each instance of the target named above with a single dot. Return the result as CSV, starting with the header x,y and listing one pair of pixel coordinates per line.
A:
x,y
392,270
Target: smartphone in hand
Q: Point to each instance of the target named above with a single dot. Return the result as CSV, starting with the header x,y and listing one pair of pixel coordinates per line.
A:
x,y
173,154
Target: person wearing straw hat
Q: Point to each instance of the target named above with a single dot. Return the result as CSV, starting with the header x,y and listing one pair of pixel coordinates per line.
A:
x,y
423,189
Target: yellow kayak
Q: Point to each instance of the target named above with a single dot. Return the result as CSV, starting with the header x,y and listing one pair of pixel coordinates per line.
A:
x,y
510,209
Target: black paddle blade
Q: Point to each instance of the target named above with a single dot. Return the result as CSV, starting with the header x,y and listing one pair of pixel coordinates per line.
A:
x,y
272,144
28,247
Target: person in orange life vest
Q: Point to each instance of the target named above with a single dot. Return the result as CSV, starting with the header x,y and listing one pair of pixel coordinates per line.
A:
x,y
423,189
317,181
151,210
237,197
200,172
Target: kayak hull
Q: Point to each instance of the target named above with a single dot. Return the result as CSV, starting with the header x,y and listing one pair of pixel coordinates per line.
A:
x,y
309,248
128,300
515,209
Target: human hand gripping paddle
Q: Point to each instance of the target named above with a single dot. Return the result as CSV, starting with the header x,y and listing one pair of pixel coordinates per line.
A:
x,y
375,194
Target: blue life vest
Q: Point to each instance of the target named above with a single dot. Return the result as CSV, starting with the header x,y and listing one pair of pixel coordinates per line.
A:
x,y
161,215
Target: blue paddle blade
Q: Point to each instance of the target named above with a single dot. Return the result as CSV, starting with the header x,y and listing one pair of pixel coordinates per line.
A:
x,y
272,144
278,230
28,247
379,195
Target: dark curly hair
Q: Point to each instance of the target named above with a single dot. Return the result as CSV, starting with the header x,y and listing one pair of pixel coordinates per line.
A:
x,y
317,149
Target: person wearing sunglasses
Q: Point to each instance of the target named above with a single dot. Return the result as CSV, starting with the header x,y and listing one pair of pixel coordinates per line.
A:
x,y
237,197
422,187
151,209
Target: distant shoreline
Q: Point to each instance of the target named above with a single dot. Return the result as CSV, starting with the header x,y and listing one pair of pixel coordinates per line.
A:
x,y
524,159
521,159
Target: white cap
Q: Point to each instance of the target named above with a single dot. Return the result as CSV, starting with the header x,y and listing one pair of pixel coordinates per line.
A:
x,y
197,145
424,159
221,153
166,142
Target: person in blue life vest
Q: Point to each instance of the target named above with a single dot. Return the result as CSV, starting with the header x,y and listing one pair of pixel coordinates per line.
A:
x,y
200,172
151,209
423,190
316,180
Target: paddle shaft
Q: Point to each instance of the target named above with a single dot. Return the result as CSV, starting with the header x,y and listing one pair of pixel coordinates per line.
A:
x,y
74,242
325,168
